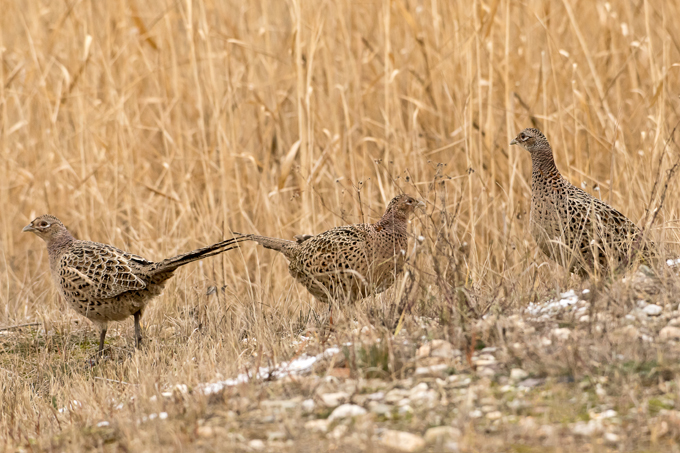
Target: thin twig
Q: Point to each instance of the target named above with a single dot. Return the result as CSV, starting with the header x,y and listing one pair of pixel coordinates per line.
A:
x,y
18,326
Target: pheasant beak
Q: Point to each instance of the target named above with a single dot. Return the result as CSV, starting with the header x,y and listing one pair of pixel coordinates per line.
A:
x,y
421,204
28,228
514,142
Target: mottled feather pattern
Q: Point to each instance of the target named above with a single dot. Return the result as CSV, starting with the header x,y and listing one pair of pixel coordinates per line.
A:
x,y
571,226
104,283
352,261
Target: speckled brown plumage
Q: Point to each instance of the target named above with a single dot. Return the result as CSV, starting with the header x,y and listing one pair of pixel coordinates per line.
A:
x,y
104,283
571,226
349,262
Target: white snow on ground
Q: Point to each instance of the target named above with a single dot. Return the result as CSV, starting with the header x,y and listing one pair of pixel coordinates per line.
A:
x,y
554,306
299,366
674,262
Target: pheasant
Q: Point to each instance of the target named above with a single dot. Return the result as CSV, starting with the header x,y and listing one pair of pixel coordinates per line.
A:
x,y
575,229
350,261
104,283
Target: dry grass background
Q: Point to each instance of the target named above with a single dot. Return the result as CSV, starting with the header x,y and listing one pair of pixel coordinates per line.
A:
x,y
160,127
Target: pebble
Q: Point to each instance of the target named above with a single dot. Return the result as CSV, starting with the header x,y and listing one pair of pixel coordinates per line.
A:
x,y
517,374
396,395
433,371
424,397
338,432
319,426
402,441
256,444
485,372
308,405
611,438
276,435
437,348
561,334
381,409
484,360
669,333
652,310
440,434
346,411
334,399
495,415
205,431
280,404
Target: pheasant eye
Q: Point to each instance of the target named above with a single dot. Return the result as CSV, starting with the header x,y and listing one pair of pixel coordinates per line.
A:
x,y
43,224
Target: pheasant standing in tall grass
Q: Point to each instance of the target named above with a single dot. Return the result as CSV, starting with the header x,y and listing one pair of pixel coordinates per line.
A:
x,y
104,283
571,226
349,262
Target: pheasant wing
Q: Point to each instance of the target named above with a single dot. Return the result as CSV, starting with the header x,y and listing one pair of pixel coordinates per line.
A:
x,y
100,271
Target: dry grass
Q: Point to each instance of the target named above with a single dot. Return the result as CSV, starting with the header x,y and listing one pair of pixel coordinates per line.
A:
x,y
161,127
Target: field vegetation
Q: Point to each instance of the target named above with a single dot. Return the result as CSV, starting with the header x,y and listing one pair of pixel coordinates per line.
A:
x,y
159,127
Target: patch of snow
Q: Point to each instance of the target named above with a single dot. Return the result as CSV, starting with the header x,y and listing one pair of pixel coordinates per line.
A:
x,y
298,366
545,310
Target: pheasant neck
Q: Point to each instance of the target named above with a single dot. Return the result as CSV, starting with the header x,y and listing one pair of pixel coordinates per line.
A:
x,y
543,164
58,244
393,221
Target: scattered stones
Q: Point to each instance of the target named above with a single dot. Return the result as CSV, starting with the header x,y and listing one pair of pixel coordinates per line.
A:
x,y
437,348
346,411
432,371
484,360
423,396
669,333
402,441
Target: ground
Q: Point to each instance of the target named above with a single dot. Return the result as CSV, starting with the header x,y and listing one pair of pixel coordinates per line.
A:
x,y
591,369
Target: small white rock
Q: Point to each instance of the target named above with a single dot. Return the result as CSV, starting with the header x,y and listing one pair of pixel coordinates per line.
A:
x,y
256,444
402,441
319,426
611,438
495,415
440,434
346,411
517,374
561,334
338,432
334,399
669,333
308,405
652,310
418,388
476,414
